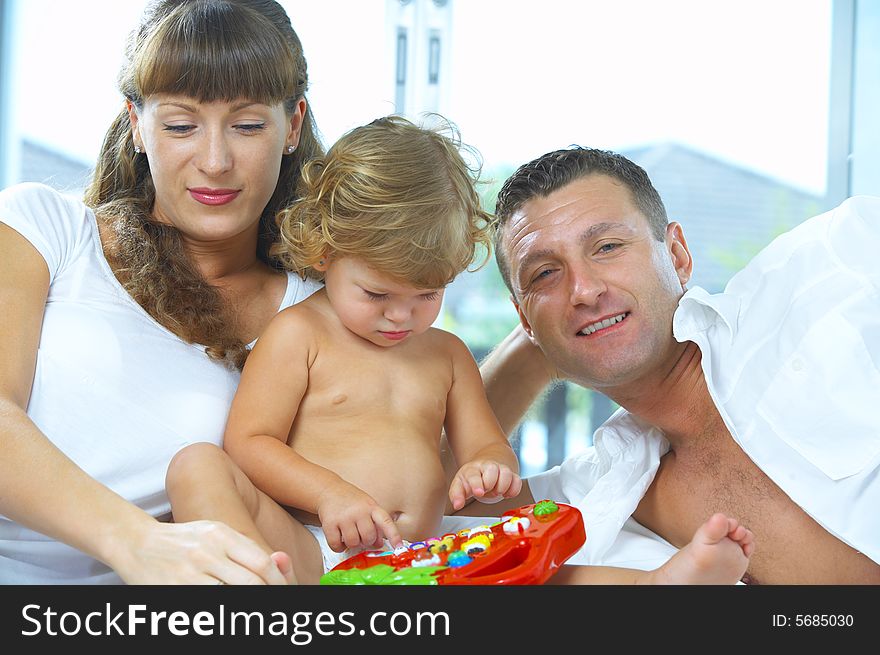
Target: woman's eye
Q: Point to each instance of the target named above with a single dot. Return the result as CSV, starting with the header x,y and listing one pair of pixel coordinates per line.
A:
x,y
251,127
179,129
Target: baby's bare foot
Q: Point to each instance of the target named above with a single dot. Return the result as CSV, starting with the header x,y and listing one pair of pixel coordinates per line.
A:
x,y
718,554
285,565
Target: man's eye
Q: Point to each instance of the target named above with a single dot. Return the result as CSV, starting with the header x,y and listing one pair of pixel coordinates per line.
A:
x,y
608,247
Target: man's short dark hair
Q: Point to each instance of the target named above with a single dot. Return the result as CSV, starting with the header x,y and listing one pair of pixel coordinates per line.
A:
x,y
554,170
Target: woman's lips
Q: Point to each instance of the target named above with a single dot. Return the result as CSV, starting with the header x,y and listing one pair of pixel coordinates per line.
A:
x,y
214,196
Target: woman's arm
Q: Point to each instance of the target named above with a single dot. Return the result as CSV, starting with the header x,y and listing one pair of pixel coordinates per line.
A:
x,y
44,490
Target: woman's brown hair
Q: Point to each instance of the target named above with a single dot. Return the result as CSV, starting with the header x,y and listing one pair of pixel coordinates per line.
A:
x,y
210,50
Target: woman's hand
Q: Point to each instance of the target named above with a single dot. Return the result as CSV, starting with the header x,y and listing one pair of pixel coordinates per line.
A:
x,y
199,552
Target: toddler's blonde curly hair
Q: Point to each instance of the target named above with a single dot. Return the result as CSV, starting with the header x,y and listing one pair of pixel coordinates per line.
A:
x,y
397,196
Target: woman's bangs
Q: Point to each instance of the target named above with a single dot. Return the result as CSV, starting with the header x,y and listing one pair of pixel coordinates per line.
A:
x,y
240,59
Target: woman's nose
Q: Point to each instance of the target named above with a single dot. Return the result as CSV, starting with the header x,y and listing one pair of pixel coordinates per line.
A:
x,y
216,155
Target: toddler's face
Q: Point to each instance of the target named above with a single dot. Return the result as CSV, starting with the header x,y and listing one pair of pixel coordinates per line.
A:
x,y
376,307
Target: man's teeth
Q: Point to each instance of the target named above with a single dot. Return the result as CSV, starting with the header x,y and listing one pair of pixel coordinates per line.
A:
x,y
608,322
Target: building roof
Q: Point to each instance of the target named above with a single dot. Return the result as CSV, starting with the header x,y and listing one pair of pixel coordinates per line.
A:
x,y
728,212
42,164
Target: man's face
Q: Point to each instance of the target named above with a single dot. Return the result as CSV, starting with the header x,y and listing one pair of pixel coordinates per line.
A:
x,y
593,287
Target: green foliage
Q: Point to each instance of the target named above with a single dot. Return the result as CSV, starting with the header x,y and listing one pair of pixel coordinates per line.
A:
x,y
482,314
734,257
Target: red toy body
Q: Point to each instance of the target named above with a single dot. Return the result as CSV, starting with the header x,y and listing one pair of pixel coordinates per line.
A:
x,y
526,546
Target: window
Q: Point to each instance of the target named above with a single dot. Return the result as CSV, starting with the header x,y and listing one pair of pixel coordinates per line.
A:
x,y
400,77
744,123
434,59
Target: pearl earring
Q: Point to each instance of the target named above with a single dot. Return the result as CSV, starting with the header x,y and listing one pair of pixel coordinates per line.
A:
x,y
137,149
290,149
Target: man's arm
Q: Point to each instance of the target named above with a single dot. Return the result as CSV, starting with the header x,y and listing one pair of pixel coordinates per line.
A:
x,y
514,374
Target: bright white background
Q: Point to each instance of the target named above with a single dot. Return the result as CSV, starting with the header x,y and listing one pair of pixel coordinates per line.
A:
x,y
746,81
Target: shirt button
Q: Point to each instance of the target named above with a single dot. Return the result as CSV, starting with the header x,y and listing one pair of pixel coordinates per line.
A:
x,y
797,365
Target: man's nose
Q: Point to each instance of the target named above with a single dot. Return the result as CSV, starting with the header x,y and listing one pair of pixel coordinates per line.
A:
x,y
585,286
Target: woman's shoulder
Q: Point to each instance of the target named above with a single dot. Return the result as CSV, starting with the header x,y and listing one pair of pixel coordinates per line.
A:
x,y
41,205
56,223
26,194
298,289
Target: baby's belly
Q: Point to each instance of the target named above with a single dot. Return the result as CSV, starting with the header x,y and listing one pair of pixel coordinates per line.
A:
x,y
407,481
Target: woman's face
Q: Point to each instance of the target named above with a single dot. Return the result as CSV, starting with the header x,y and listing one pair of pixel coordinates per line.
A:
x,y
214,165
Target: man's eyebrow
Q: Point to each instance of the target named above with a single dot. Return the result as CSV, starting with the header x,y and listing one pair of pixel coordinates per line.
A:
x,y
530,257
598,229
591,233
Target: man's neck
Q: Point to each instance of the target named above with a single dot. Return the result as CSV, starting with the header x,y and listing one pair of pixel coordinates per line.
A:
x,y
675,399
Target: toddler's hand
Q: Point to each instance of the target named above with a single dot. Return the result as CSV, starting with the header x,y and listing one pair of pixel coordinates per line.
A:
x,y
350,518
485,480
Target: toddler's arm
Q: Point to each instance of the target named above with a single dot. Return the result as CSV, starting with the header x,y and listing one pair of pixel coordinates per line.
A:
x,y
273,384
490,469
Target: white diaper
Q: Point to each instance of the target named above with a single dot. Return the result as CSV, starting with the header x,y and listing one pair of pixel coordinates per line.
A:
x,y
331,557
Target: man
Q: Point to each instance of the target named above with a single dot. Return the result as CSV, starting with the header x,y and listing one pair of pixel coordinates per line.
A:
x,y
760,402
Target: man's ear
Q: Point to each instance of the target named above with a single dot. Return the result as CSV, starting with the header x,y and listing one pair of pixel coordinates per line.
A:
x,y
679,251
527,327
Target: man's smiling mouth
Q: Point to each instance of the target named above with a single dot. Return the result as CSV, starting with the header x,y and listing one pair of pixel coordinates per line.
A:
x,y
600,325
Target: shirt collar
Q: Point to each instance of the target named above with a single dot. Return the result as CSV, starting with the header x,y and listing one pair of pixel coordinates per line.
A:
x,y
698,311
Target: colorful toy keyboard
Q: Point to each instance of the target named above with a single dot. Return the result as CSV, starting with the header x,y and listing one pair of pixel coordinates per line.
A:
x,y
526,546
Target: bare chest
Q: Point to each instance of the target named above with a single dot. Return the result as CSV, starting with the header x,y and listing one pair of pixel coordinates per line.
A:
x,y
791,548
393,385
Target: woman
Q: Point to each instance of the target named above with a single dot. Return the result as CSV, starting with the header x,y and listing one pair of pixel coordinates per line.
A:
x,y
127,318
